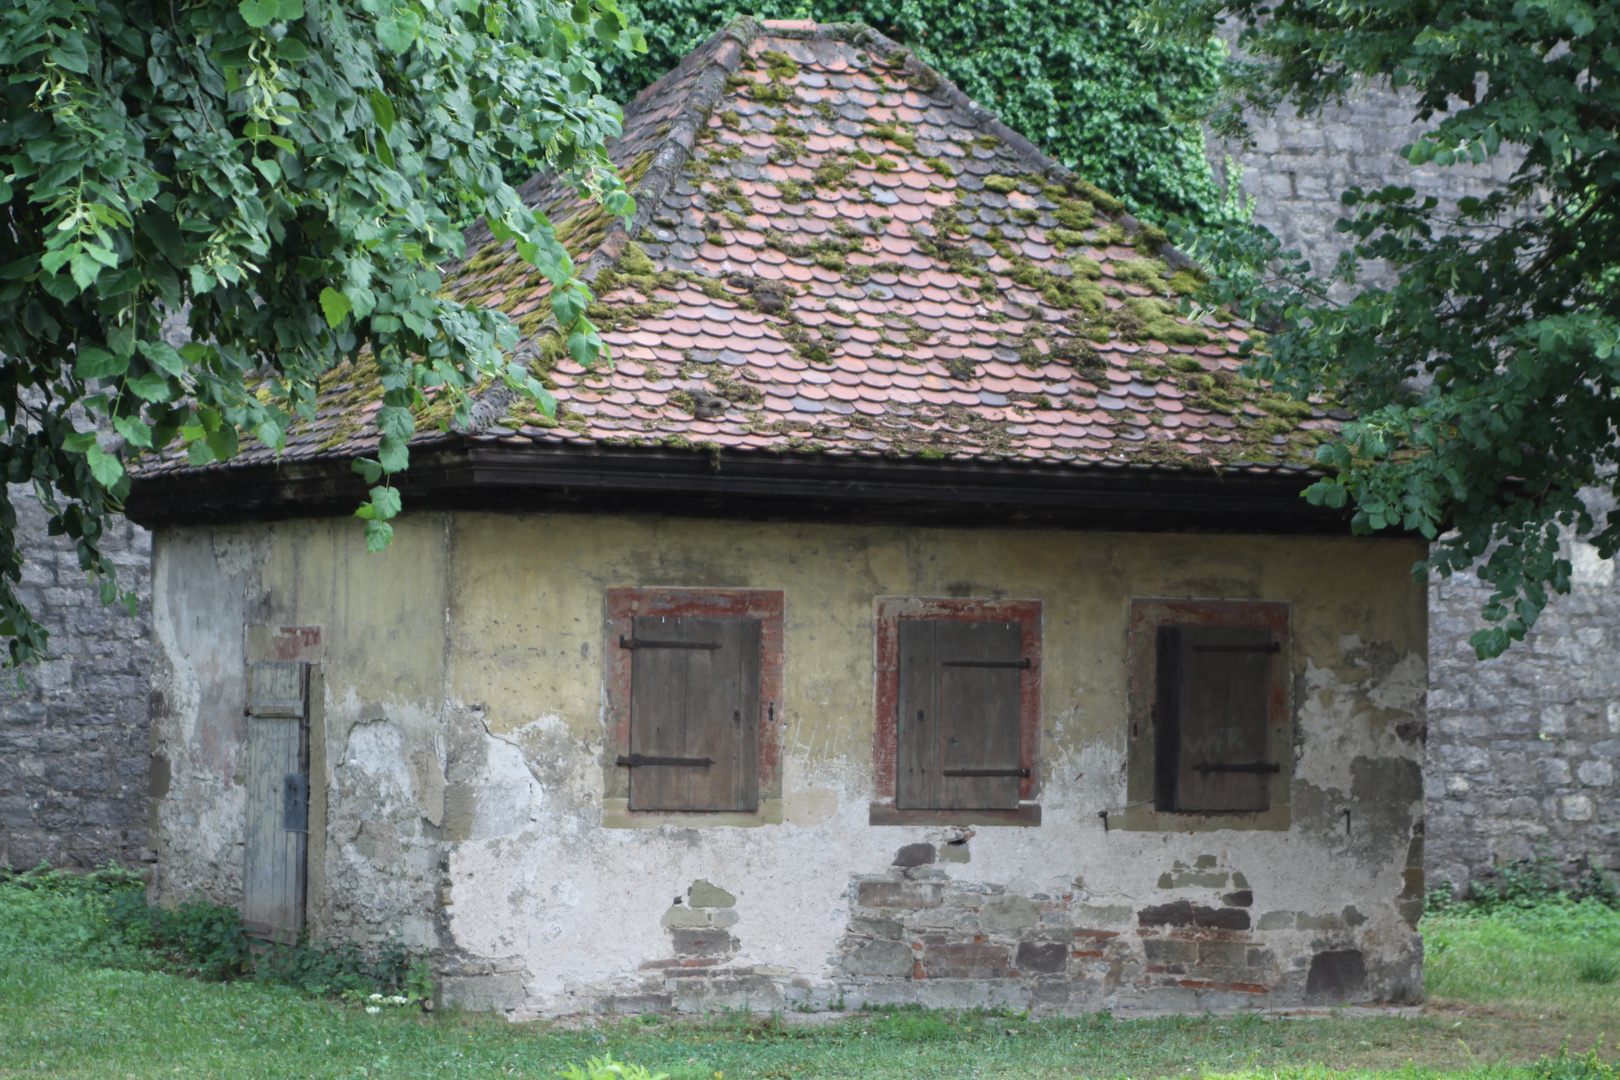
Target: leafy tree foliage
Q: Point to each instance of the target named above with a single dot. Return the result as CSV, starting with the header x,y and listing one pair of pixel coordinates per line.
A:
x,y
1075,77
1485,381
209,203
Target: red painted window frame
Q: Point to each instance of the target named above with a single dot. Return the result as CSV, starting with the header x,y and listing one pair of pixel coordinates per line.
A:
x,y
891,611
624,603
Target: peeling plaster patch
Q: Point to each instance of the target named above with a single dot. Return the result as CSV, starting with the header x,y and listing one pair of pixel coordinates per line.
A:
x,y
805,802
1404,687
427,785
1334,724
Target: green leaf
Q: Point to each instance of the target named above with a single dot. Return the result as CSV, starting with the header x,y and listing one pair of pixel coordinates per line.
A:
x,y
335,306
268,169
96,363
105,467
386,502
379,534
370,470
133,430
259,13
164,356
383,110
153,386
397,32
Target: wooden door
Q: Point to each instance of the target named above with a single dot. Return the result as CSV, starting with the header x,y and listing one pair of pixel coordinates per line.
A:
x,y
276,837
958,730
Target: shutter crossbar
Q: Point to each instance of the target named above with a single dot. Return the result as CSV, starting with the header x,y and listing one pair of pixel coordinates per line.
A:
x,y
636,761
1267,647
987,772
1207,767
1024,663
643,643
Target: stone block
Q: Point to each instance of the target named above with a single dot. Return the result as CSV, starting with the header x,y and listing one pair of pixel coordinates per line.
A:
x,y
899,894
1170,951
915,855
1229,954
679,915
1044,957
481,993
1595,773
704,895
875,928
702,942
1003,913
970,960
893,959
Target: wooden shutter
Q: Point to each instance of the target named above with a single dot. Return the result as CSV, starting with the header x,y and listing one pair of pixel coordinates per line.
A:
x,y
694,695
960,690
276,833
1213,714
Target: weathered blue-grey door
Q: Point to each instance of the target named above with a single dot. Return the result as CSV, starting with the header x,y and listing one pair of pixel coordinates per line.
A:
x,y
277,832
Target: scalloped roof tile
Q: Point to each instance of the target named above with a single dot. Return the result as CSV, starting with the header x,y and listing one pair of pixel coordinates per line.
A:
x,y
835,251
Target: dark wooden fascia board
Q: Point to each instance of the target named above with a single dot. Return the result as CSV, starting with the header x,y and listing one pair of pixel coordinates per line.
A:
x,y
484,474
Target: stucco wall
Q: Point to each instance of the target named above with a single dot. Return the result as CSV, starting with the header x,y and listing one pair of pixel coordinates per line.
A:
x,y
464,742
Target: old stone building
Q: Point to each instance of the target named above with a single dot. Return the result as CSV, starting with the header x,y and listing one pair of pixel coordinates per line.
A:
x,y
919,611
1522,750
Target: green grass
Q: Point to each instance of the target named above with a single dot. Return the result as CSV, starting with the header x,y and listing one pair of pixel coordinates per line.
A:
x,y
1554,956
75,1003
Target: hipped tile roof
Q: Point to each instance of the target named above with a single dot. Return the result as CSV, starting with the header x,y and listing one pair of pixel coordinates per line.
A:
x,y
837,252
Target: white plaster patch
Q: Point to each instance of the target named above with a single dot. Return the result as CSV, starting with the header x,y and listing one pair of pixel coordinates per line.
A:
x,y
1336,731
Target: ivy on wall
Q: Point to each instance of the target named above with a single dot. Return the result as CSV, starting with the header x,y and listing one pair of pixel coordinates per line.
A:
x,y
1074,77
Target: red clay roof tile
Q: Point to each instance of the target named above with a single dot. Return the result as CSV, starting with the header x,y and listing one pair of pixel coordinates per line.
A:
x,y
847,320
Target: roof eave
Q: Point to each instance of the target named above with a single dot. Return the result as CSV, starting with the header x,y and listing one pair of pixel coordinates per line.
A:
x,y
486,474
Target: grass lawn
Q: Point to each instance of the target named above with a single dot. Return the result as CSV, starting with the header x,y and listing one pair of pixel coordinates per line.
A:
x,y
1505,990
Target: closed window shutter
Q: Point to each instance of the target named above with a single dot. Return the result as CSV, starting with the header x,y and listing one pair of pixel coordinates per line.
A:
x,y
958,728
694,695
1213,712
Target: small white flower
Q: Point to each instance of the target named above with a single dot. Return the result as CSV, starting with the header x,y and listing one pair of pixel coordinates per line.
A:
x,y
399,999
376,997
373,1008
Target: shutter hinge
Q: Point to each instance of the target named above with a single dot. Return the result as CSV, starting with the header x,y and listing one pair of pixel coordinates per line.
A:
x,y
1021,664
636,761
642,643
1207,767
987,772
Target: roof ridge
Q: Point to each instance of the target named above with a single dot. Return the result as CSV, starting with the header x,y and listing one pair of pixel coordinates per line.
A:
x,y
672,154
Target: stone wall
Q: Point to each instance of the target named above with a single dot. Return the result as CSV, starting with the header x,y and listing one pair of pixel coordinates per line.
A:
x,y
1299,166
73,752
1523,750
